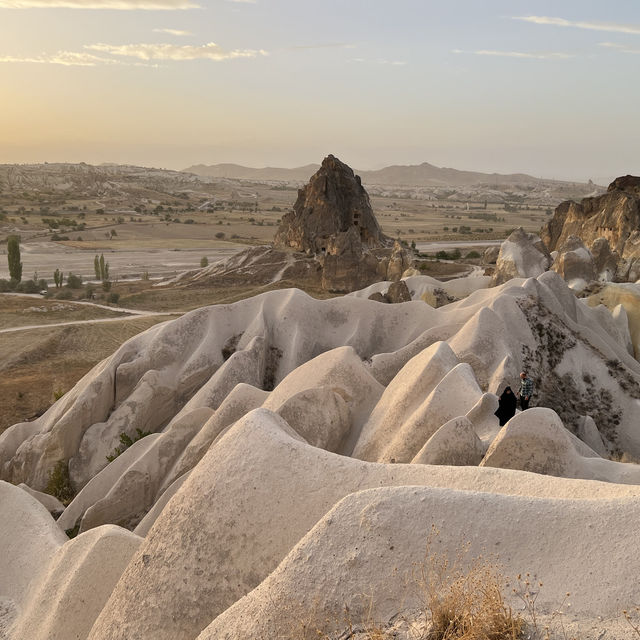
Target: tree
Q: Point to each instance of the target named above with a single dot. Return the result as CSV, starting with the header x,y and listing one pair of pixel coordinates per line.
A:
x,y
13,256
96,267
57,278
204,261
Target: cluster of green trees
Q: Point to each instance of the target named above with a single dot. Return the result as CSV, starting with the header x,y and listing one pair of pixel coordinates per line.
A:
x,y
39,285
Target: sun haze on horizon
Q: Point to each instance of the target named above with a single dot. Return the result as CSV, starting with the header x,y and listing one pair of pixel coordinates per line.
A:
x,y
542,87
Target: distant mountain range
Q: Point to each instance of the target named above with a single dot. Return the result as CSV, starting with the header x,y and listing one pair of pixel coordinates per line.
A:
x,y
421,175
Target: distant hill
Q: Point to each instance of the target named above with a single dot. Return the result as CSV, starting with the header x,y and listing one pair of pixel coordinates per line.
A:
x,y
421,175
248,173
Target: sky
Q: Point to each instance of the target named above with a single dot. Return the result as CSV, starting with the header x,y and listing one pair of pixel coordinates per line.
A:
x,y
549,88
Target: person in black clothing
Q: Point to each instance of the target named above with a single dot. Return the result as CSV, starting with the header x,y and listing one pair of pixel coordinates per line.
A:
x,y
506,406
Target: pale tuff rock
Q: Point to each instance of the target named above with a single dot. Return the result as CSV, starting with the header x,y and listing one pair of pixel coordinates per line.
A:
x,y
66,599
574,262
624,300
522,255
283,406
372,540
178,592
454,443
536,440
52,504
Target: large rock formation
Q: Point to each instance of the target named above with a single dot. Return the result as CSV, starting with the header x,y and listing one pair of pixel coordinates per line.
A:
x,y
331,215
614,216
575,262
330,240
522,255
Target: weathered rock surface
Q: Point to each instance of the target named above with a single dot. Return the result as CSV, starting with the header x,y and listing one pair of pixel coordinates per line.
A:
x,y
372,541
283,406
536,440
330,205
614,216
574,262
208,548
454,443
522,255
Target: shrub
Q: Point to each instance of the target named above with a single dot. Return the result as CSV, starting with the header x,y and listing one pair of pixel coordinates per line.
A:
x,y
220,235
74,281
114,297
472,255
204,261
64,294
28,286
59,484
126,441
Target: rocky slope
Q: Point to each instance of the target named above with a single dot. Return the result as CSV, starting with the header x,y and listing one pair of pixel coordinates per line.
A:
x,y
613,216
302,450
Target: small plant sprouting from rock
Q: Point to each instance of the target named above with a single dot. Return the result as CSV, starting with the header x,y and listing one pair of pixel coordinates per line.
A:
x,y
73,532
59,485
126,441
230,346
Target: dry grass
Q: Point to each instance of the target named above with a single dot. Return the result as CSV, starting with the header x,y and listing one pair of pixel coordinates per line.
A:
x,y
38,364
464,601
19,311
461,600
632,616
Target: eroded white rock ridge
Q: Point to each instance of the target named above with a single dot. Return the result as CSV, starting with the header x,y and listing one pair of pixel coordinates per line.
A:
x,y
301,451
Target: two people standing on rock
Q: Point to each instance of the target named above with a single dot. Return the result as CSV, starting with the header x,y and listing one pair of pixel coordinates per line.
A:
x,y
508,401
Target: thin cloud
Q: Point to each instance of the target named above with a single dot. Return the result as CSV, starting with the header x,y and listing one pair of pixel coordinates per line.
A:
x,y
209,51
122,5
65,58
619,47
610,27
174,32
552,55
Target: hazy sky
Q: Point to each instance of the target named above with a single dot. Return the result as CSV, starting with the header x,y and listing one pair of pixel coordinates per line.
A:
x,y
545,87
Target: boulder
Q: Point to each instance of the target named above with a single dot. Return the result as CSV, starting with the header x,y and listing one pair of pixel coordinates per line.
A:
x,y
398,292
536,440
605,261
454,443
574,261
522,255
490,255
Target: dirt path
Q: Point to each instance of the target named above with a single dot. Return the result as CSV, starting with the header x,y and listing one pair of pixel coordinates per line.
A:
x,y
128,314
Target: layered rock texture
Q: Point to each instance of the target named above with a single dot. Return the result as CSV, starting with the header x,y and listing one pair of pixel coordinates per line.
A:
x,y
330,240
331,212
613,216
522,255
302,453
